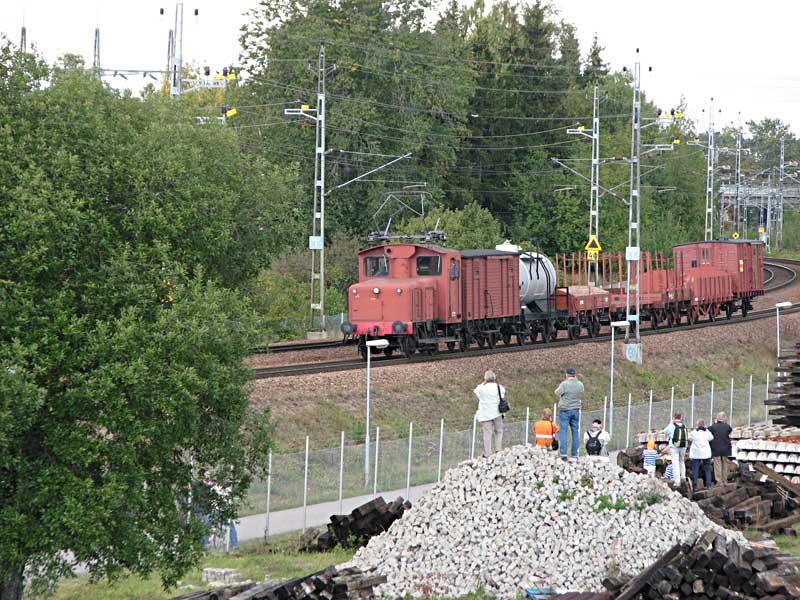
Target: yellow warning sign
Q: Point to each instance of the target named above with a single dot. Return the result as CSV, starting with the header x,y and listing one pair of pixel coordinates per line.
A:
x,y
592,255
593,245
761,230
735,235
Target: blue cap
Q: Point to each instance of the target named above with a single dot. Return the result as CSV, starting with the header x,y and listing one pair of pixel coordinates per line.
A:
x,y
570,371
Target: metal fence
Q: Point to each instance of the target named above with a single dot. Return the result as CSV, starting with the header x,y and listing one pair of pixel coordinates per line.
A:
x,y
305,478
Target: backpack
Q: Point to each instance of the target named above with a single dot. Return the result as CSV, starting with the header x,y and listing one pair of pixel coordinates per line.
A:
x,y
679,436
593,444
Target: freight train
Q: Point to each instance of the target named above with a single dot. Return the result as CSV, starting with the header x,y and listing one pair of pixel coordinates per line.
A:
x,y
420,296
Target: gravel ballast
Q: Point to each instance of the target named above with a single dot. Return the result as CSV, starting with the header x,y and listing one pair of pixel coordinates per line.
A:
x,y
524,515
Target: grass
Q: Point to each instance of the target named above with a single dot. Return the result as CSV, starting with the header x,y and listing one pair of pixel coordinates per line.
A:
x,y
788,544
278,560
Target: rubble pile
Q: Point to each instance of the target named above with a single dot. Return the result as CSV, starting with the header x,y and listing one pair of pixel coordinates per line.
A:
x,y
525,516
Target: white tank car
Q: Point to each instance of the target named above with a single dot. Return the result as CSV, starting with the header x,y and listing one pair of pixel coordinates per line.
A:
x,y
537,275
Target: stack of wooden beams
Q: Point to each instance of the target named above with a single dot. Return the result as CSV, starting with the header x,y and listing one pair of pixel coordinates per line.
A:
x,y
752,500
786,394
716,567
355,529
330,584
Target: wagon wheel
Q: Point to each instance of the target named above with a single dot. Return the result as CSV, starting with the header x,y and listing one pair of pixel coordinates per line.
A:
x,y
491,340
596,327
481,339
691,316
670,318
745,309
653,320
388,351
506,338
591,329
728,311
712,313
464,342
408,346
520,338
450,346
362,350
553,333
533,335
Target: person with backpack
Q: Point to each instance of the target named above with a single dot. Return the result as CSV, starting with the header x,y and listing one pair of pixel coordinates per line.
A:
x,y
678,437
490,394
700,452
570,393
596,440
545,431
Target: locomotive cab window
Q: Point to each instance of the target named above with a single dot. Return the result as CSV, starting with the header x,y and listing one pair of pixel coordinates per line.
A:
x,y
376,266
429,265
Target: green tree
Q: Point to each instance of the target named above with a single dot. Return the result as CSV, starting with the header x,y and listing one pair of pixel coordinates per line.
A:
x,y
125,234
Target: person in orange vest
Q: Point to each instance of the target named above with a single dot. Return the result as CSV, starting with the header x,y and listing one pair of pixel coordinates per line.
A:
x,y
545,430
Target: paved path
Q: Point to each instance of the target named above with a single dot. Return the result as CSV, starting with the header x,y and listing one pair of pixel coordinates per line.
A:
x,y
284,521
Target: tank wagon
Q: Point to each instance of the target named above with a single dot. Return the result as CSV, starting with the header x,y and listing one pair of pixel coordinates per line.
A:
x,y
418,296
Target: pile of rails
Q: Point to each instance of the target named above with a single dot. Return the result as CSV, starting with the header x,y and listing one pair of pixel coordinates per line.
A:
x,y
717,567
330,584
356,529
524,515
787,391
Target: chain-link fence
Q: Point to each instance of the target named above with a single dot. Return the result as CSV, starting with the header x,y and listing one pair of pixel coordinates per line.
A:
x,y
300,479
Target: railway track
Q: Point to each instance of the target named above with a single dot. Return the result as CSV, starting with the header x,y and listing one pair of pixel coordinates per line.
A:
x,y
781,273
293,347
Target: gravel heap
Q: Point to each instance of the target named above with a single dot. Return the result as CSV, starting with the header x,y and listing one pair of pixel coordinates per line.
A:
x,y
523,515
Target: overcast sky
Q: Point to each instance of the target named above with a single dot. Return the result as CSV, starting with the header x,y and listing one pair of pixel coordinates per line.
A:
x,y
743,54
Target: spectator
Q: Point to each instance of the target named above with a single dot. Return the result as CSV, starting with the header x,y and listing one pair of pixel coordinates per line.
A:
x,y
669,473
570,393
489,393
721,447
545,430
596,440
678,442
649,457
700,452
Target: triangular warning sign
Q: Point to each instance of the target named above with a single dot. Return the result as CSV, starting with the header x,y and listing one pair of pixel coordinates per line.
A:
x,y
593,244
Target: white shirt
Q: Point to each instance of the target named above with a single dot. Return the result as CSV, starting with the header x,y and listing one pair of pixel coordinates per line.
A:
x,y
488,401
700,447
604,438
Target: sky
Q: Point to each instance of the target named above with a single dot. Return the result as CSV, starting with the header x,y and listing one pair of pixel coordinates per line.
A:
x,y
742,57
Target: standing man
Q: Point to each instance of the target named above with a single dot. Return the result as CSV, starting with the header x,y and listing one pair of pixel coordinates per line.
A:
x,y
545,430
721,447
489,393
678,442
570,393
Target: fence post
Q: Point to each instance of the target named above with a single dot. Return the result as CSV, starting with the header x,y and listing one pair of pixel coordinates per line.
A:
x,y
730,413
650,413
341,471
472,445
691,419
711,404
269,493
375,474
750,402
441,443
605,409
766,397
611,416
580,417
671,403
628,430
408,471
527,422
305,488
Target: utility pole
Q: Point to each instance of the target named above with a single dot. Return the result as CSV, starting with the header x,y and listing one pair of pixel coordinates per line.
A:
x,y
779,215
737,210
96,59
594,193
23,40
316,242
634,206
709,222
176,54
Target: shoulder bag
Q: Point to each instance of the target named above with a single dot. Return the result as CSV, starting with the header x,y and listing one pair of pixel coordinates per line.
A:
x,y
554,443
503,406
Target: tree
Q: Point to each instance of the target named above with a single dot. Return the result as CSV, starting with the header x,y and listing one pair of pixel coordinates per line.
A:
x,y
126,233
470,227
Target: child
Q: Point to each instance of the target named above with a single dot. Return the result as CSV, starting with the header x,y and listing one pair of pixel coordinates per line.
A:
x,y
650,455
669,474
